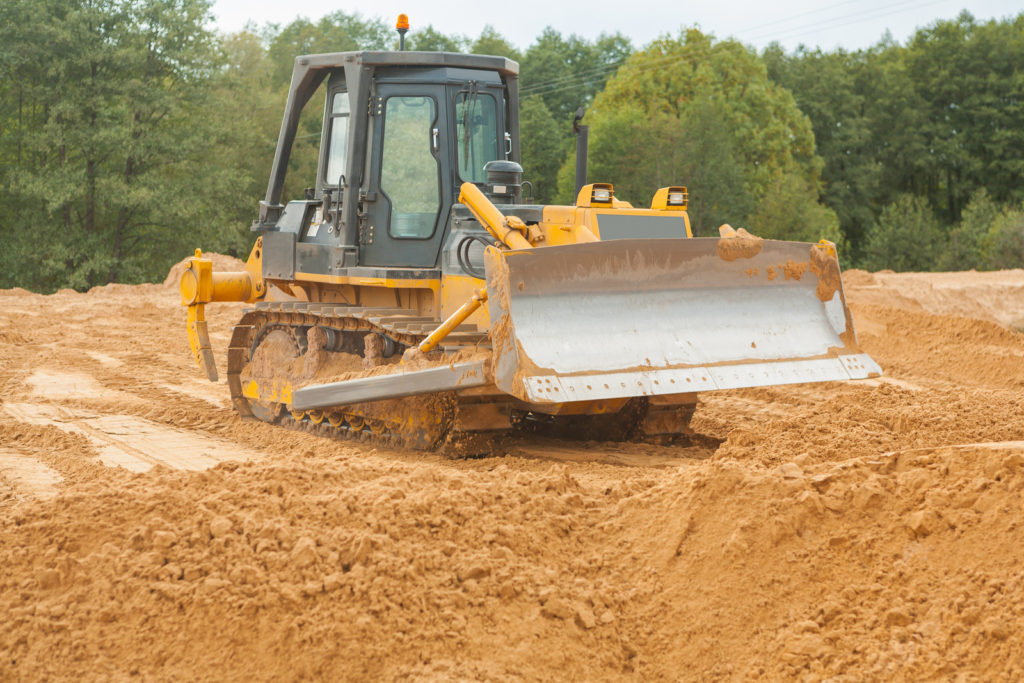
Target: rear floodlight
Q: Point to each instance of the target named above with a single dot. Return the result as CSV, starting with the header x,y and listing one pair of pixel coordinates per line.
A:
x,y
670,198
602,194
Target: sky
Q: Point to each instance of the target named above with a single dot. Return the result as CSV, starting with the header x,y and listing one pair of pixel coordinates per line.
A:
x,y
850,24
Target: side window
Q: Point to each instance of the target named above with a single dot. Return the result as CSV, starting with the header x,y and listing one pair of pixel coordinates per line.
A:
x,y
477,141
409,172
338,151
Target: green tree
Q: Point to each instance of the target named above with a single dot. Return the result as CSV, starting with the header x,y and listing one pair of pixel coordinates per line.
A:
x,y
966,245
938,117
694,149
567,72
1004,244
429,39
906,237
790,211
243,90
111,178
560,74
542,145
971,80
835,91
491,42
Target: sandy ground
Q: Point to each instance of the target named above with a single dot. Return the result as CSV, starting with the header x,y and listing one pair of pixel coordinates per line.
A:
x,y
850,531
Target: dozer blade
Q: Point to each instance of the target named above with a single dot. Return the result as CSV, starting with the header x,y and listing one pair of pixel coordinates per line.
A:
x,y
665,316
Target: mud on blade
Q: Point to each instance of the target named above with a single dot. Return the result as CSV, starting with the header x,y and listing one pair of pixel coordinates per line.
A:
x,y
664,316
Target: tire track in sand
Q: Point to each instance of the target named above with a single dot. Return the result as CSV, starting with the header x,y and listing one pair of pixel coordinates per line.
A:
x,y
26,476
132,442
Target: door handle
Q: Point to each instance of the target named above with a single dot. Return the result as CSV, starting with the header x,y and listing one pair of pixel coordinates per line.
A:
x,y
433,137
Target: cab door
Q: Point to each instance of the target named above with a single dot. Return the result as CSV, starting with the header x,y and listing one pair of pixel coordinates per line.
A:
x,y
408,195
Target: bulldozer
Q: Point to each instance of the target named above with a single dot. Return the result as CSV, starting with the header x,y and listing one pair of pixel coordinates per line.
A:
x,y
413,296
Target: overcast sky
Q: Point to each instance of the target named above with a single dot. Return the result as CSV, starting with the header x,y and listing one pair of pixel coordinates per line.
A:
x,y
829,24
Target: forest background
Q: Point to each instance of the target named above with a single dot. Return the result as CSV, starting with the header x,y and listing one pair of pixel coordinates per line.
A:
x,y
130,133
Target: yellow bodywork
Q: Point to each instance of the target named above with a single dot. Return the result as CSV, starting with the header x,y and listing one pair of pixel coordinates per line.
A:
x,y
277,392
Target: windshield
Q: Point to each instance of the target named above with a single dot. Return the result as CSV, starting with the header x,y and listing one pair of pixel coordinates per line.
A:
x,y
476,122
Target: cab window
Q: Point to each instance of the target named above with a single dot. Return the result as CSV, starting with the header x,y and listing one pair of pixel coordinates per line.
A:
x,y
338,143
477,141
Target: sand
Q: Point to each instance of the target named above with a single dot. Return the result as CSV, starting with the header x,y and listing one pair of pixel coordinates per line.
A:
x,y
844,531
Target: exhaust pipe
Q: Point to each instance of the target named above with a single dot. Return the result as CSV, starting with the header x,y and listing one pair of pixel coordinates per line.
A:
x,y
582,142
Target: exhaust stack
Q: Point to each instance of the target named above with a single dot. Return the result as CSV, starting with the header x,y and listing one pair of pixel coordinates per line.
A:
x,y
582,142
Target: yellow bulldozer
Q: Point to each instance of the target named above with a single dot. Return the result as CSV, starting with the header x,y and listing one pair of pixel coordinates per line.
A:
x,y
413,296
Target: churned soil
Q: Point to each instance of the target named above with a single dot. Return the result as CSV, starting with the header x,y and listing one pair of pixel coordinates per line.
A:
x,y
849,531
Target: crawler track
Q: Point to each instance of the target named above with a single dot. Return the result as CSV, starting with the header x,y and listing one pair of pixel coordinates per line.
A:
x,y
419,422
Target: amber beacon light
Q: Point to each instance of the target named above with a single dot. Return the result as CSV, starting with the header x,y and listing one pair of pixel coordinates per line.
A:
x,y
402,26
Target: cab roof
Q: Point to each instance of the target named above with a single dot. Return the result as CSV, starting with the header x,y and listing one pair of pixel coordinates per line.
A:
x,y
502,65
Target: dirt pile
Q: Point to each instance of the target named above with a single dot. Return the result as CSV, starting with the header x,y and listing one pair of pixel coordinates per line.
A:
x,y
341,570
867,530
992,295
876,568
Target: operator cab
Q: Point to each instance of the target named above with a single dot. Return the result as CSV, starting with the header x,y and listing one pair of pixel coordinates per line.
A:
x,y
430,130
402,131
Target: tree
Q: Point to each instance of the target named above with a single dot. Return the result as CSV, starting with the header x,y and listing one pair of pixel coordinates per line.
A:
x,y
542,143
110,178
939,117
491,42
970,79
832,89
906,237
429,39
1004,243
790,211
966,245
558,76
694,149
567,72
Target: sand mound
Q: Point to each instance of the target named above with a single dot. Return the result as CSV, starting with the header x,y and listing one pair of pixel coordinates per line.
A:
x,y
221,262
858,278
888,567
997,295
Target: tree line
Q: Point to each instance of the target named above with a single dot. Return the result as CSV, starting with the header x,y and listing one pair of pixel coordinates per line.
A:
x,y
922,144
130,133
